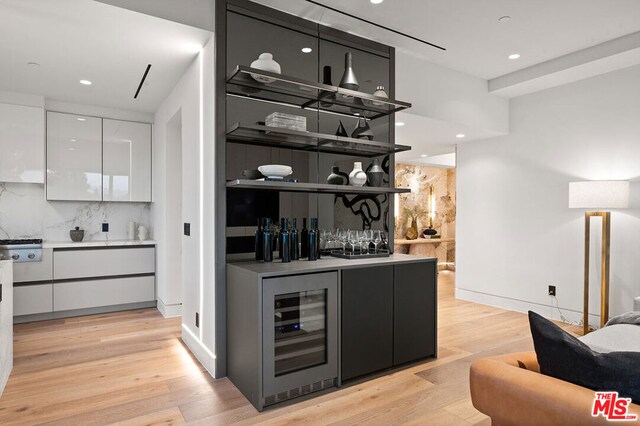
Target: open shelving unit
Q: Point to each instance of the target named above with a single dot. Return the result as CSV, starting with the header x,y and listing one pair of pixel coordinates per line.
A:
x,y
306,94
255,134
317,188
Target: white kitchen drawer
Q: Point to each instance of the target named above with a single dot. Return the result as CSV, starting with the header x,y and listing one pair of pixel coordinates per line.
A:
x,y
107,262
32,299
34,271
108,292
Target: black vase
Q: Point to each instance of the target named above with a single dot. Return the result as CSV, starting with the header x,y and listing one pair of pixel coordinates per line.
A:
x,y
327,98
335,178
375,174
362,131
342,131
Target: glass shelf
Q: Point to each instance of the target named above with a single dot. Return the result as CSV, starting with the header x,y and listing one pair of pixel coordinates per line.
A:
x,y
255,134
312,187
309,95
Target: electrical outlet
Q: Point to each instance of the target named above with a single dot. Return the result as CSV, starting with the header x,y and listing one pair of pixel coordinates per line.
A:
x,y
552,290
187,229
105,227
197,320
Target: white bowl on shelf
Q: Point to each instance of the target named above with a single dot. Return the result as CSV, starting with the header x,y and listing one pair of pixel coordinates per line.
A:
x,y
275,171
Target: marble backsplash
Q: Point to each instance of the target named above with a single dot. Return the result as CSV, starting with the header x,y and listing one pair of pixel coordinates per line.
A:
x,y
25,213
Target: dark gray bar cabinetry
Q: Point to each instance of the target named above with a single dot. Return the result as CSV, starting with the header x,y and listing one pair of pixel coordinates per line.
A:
x,y
301,327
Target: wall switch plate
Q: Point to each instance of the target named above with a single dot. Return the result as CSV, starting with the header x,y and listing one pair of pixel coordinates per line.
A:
x,y
552,290
197,320
187,229
105,227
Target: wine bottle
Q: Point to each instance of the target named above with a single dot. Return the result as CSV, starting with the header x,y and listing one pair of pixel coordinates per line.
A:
x,y
304,239
313,241
285,250
294,240
267,241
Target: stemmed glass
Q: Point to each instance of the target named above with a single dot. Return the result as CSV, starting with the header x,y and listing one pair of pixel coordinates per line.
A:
x,y
364,242
353,240
343,238
376,239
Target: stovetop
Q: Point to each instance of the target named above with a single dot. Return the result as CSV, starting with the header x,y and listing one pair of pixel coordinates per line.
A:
x,y
19,242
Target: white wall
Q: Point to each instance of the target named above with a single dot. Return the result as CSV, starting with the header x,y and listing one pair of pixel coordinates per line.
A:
x,y
451,96
516,234
187,278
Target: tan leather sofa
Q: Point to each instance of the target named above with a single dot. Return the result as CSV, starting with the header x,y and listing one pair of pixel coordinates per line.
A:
x,y
512,395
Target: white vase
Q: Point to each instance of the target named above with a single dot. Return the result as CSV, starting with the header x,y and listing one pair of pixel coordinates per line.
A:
x,y
142,233
381,94
357,177
265,62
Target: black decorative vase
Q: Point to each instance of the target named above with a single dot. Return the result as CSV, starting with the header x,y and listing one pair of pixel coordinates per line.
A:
x,y
327,97
375,174
430,232
336,178
342,131
362,131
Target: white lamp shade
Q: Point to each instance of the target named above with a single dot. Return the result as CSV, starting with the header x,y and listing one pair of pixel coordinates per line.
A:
x,y
601,194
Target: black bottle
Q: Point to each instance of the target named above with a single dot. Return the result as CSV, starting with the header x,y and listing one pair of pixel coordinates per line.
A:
x,y
294,240
285,242
259,246
318,238
313,240
304,239
267,241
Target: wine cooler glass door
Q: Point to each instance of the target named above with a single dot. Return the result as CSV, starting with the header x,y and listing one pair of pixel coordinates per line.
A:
x,y
300,331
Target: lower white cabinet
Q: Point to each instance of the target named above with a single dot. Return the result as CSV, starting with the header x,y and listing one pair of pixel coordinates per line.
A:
x,y
6,322
107,292
32,299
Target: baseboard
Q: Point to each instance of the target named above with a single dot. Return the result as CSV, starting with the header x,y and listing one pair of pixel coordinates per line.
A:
x,y
169,311
202,353
547,311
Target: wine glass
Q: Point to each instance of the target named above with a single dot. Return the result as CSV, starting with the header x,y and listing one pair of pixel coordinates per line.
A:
x,y
384,239
353,240
364,241
343,238
376,239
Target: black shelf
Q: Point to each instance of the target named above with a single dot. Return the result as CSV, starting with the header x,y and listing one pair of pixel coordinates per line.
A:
x,y
309,94
314,188
255,134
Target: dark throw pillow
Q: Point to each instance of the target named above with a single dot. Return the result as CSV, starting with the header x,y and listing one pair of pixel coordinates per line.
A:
x,y
564,357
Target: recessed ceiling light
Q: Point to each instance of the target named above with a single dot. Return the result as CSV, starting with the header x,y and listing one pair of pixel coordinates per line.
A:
x,y
424,156
82,119
376,1
514,56
460,135
399,124
72,149
74,140
504,19
85,82
33,65
307,50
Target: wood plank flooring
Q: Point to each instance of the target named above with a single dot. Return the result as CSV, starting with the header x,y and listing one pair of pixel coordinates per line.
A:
x,y
131,368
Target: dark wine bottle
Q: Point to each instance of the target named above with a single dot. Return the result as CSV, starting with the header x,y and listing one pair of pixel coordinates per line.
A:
x,y
304,239
267,241
313,241
294,240
259,245
284,238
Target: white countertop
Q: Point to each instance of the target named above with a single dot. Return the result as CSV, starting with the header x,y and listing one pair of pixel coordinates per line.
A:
x,y
99,243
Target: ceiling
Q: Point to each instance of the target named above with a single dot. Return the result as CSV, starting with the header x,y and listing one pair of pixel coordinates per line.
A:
x,y
83,39
476,43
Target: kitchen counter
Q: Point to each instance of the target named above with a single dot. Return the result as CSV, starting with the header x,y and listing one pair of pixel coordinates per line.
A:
x,y
326,263
99,243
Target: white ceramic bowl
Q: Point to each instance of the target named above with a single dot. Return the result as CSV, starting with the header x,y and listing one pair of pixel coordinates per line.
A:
x,y
275,171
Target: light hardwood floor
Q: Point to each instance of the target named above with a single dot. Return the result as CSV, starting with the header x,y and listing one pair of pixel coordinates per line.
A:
x,y
132,369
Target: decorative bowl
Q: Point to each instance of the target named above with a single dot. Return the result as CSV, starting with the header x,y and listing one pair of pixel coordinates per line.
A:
x,y
275,171
76,234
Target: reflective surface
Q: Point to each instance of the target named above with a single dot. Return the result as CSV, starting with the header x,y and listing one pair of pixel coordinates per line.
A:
x,y
74,157
21,144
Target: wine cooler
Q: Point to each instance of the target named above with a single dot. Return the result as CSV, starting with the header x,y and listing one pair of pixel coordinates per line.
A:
x,y
300,353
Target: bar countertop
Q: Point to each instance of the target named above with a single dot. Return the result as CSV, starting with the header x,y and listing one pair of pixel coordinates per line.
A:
x,y
326,263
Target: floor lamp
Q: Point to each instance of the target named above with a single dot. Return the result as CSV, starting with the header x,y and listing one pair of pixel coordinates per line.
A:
x,y
596,196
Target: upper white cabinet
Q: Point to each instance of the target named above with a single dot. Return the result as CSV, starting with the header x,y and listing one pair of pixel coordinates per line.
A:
x,y
21,144
74,157
126,161
96,159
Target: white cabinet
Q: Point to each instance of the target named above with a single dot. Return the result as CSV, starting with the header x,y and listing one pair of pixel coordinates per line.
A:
x,y
88,294
103,262
6,322
74,157
126,153
96,159
21,144
32,299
